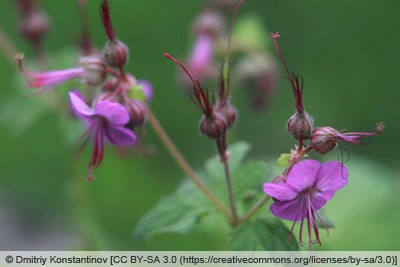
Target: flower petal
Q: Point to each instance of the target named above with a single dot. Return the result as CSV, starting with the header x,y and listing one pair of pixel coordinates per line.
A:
x,y
201,58
79,106
114,113
279,191
331,177
303,174
120,136
289,210
147,89
52,78
319,201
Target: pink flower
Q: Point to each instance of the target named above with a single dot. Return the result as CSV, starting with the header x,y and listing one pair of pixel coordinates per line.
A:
x,y
201,60
308,187
50,79
92,71
325,139
147,88
105,122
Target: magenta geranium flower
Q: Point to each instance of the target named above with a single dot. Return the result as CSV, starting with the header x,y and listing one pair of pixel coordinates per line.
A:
x,y
200,62
105,122
92,71
308,187
50,79
325,139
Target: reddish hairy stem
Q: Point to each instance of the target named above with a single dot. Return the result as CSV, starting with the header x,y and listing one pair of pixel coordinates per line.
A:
x,y
106,20
295,80
203,101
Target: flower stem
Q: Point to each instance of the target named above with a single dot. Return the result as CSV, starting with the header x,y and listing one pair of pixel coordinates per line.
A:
x,y
252,211
180,160
221,145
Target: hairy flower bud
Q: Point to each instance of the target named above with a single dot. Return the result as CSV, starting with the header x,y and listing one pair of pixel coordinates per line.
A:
x,y
213,126
34,26
323,139
258,74
300,125
116,53
227,111
95,70
110,85
209,23
137,112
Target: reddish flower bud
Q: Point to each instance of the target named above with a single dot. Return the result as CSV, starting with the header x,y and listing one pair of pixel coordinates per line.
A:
x,y
213,126
300,125
110,85
95,70
116,53
227,111
209,23
258,74
137,112
323,139
34,26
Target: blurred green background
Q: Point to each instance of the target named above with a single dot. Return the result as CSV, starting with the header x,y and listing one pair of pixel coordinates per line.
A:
x,y
348,54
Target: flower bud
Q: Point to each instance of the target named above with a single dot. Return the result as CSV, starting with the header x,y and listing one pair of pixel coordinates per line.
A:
x,y
116,53
227,111
213,126
209,23
95,70
323,139
300,125
137,112
110,85
34,26
258,74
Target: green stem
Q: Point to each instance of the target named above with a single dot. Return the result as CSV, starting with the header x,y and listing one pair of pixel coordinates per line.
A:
x,y
221,145
184,165
252,211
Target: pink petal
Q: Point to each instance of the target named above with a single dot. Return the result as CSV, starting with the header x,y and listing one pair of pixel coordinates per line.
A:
x,y
147,89
279,191
52,78
115,113
289,210
331,177
303,174
201,58
319,201
120,136
79,106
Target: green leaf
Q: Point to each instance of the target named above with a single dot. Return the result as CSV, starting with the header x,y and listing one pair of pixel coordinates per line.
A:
x,y
283,160
249,179
184,209
236,155
171,215
178,213
266,233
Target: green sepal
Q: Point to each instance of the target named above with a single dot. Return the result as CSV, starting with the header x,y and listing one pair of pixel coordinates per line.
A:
x,y
283,160
136,92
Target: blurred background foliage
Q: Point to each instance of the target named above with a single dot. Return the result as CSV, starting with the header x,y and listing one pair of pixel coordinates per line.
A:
x,y
347,52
